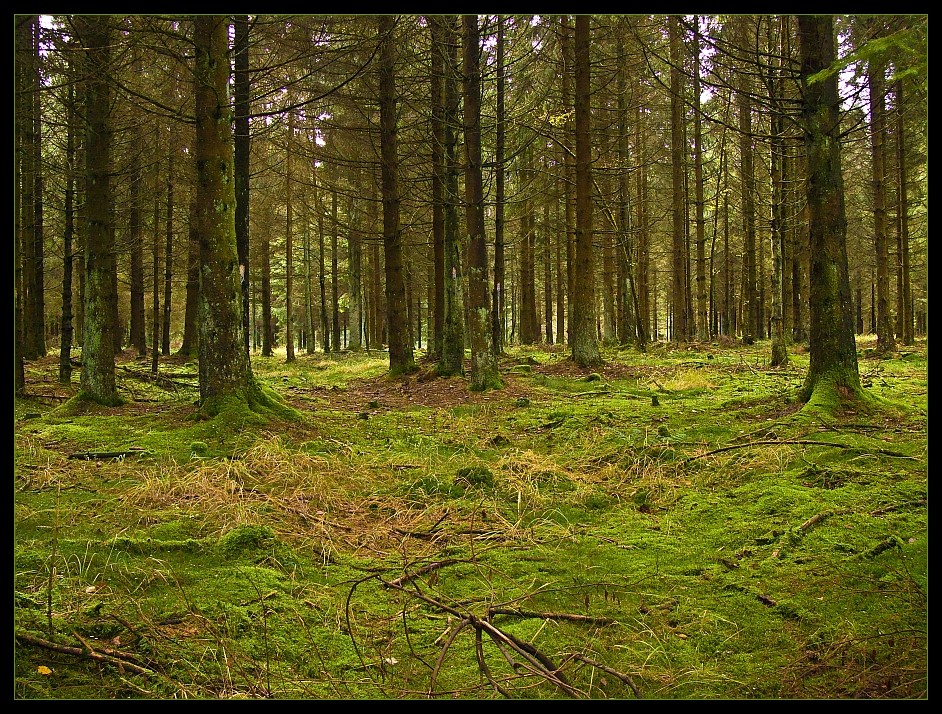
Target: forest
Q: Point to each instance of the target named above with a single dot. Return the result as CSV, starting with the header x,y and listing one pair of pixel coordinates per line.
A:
x,y
471,356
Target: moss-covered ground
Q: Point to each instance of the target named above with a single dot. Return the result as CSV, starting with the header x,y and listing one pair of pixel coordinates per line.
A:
x,y
670,525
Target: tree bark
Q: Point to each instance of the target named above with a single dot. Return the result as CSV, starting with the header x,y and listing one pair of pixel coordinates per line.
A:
x,y
451,361
224,367
289,244
497,297
484,373
98,355
876,81
242,107
585,349
678,200
832,369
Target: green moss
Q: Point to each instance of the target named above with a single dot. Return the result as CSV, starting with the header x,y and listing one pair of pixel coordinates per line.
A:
x,y
245,538
697,553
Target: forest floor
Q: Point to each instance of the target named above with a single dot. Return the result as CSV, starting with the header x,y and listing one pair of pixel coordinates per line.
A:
x,y
669,525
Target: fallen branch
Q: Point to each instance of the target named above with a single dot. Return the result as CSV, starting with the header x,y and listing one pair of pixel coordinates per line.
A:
x,y
424,570
795,442
550,616
615,673
121,660
94,455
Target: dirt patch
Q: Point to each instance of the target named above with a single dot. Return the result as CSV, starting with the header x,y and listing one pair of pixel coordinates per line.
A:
x,y
420,389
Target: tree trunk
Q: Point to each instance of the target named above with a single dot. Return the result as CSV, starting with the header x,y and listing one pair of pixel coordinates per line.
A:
x,y
334,288
224,367
905,300
585,349
752,327
190,346
138,328
437,301
65,344
31,194
289,244
355,285
451,361
832,370
678,253
703,324
497,297
777,151
484,373
876,81
155,280
98,365
168,257
401,358
547,274
321,268
242,106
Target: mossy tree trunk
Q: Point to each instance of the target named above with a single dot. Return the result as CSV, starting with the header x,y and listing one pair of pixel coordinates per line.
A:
x,y
224,368
98,354
190,346
451,361
585,348
832,367
484,372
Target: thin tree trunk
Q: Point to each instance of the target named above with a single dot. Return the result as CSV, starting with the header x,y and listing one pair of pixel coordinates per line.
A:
x,y
321,271
168,256
289,244
334,257
451,361
155,283
886,341
242,144
484,373
679,267
497,297
585,349
905,302
65,344
190,346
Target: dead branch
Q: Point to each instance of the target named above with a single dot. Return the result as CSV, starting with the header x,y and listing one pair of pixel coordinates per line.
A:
x,y
814,520
441,655
796,442
897,506
550,616
95,455
424,570
615,673
117,659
